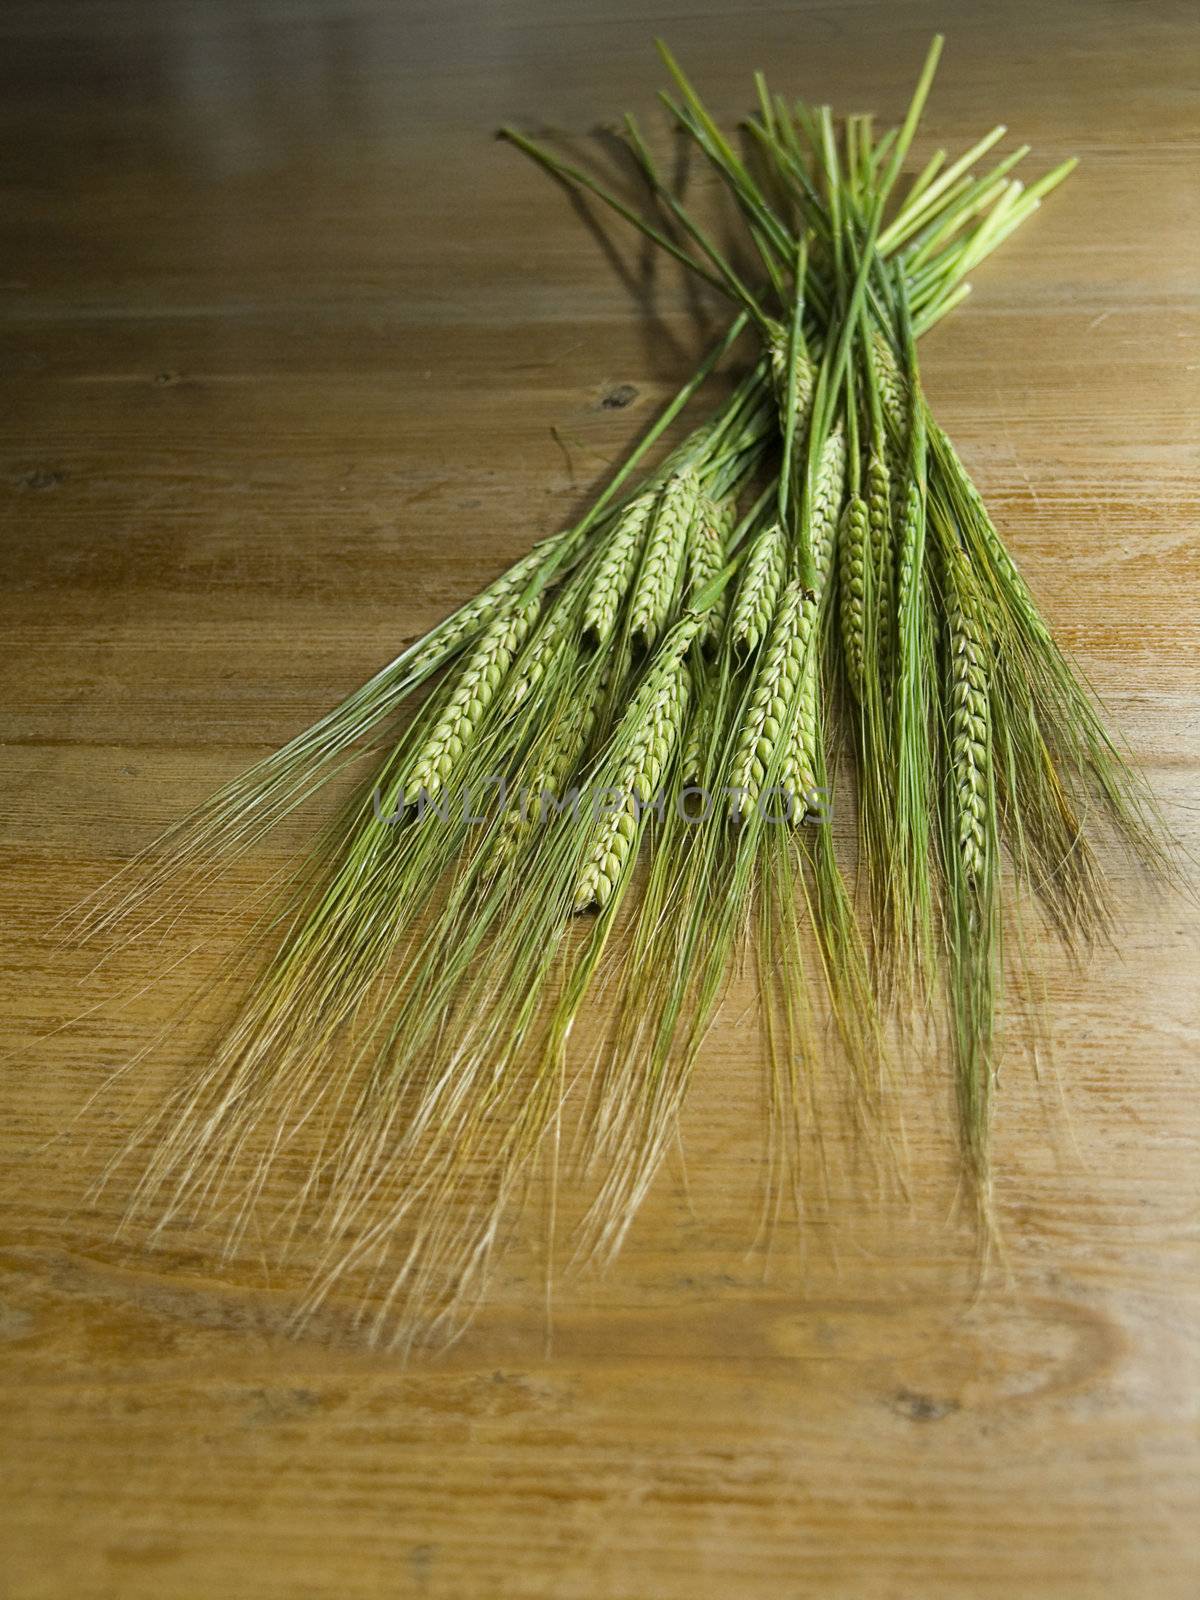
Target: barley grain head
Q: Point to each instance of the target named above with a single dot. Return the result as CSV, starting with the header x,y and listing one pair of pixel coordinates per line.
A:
x,y
770,704
662,562
706,556
970,740
828,488
654,722
855,588
616,569
475,688
757,594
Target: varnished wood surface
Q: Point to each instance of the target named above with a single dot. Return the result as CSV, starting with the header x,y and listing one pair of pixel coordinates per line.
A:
x,y
294,358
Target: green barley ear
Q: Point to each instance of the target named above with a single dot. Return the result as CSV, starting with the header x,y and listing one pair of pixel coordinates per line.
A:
x,y
910,552
757,594
853,556
970,740
616,569
555,633
694,760
478,682
800,758
893,386
662,559
828,488
646,739
806,375
798,775
970,847
770,705
552,763
883,557
706,556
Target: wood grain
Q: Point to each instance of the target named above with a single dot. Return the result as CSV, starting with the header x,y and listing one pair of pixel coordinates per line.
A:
x,y
295,358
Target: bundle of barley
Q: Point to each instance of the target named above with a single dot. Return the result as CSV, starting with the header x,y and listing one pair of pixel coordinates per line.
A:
x,y
810,569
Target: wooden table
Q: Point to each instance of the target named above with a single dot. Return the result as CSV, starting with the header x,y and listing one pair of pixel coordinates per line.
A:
x,y
295,358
